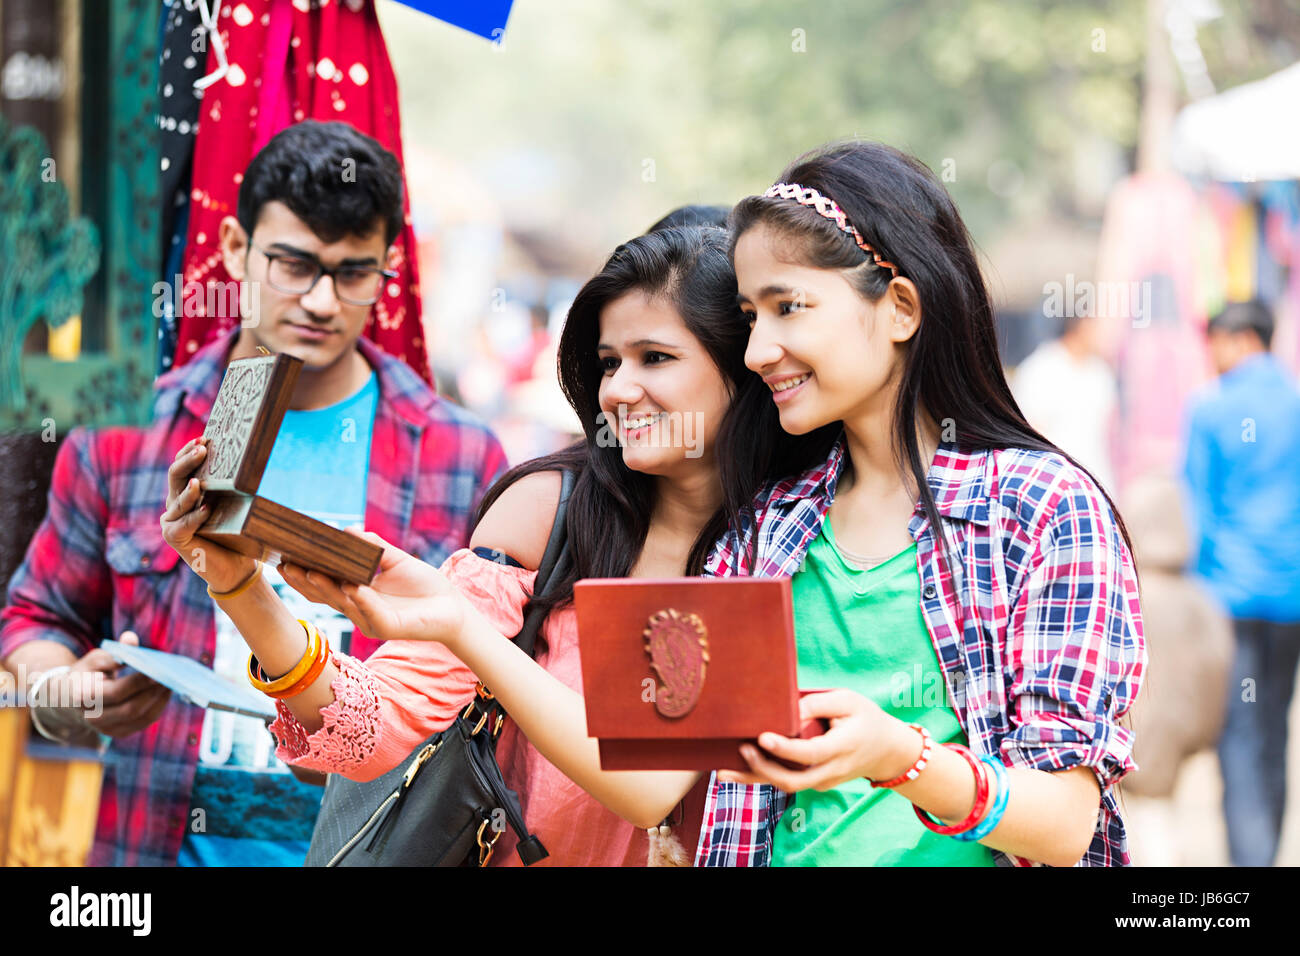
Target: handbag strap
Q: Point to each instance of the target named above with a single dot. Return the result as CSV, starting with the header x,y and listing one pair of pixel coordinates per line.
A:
x,y
555,562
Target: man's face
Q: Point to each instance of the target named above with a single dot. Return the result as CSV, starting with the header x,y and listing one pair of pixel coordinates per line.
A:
x,y
1228,349
317,326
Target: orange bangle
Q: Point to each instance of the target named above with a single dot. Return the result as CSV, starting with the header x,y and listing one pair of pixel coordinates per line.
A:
x,y
290,679
313,672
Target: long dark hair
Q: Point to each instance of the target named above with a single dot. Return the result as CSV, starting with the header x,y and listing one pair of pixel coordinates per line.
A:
x,y
610,506
952,368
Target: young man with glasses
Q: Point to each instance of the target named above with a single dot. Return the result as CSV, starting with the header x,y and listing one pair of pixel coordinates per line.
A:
x,y
365,442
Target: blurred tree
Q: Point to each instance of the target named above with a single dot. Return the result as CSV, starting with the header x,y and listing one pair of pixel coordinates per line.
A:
x,y
1025,107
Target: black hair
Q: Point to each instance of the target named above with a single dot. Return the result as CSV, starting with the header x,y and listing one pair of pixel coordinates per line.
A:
x,y
1072,320
1252,316
952,368
610,506
337,180
693,216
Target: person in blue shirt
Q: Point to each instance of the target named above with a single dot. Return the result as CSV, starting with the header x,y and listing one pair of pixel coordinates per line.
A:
x,y
1242,468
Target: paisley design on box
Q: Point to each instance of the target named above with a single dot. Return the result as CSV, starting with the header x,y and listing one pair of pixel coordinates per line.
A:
x,y
678,645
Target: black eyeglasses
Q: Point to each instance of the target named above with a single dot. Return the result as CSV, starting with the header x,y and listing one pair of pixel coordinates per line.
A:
x,y
295,274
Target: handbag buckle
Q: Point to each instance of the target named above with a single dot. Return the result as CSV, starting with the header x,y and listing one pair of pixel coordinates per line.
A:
x,y
485,849
482,720
481,694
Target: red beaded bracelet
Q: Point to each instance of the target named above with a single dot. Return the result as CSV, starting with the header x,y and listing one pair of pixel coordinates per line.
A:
x,y
913,771
981,798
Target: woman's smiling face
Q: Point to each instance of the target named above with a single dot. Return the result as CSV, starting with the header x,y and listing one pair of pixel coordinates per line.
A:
x,y
826,353
661,393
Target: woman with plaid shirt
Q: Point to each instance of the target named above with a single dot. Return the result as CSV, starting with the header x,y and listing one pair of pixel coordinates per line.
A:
x,y
942,537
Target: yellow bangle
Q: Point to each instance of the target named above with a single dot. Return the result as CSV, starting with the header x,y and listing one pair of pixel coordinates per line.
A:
x,y
313,672
299,670
248,583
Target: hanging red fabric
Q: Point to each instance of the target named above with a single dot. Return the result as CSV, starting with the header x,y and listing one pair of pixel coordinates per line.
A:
x,y
291,60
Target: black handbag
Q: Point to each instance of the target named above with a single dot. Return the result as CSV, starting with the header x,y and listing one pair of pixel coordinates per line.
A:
x,y
447,805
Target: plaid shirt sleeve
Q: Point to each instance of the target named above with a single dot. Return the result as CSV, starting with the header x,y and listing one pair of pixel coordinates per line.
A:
x,y
493,465
62,592
739,824
459,461
1075,643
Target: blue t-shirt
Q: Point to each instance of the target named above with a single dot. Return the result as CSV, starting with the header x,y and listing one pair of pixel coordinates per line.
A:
x,y
1243,443
247,808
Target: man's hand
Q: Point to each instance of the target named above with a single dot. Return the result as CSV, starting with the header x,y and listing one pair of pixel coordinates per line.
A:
x,y
116,706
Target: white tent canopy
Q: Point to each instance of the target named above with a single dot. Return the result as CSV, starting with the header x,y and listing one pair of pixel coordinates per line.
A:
x,y
1251,132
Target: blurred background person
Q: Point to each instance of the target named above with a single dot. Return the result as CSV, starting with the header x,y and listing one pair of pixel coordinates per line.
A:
x,y
1243,447
1067,391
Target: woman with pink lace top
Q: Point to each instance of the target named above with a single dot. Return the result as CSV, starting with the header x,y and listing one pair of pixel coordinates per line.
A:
x,y
651,358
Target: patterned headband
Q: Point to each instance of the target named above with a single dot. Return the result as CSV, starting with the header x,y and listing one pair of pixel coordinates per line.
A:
x,y
828,207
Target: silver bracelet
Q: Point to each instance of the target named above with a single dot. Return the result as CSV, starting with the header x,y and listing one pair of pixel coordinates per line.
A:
x,y
35,709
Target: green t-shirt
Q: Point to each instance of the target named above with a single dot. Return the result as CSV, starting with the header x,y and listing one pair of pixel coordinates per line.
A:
x,y
863,630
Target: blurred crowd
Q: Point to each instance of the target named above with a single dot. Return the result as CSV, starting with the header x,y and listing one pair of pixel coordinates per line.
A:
x,y
1218,548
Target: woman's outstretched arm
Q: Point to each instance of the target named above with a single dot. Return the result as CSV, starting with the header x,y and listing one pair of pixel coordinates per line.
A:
x,y
385,709
412,601
553,717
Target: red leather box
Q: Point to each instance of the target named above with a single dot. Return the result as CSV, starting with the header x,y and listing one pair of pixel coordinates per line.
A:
x,y
677,673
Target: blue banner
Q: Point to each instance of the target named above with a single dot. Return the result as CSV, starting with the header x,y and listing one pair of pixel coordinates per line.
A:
x,y
487,18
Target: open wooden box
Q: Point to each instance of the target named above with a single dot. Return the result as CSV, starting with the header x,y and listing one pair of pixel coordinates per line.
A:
x,y
242,429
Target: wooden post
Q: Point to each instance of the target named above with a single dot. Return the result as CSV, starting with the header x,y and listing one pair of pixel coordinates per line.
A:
x,y
12,734
49,795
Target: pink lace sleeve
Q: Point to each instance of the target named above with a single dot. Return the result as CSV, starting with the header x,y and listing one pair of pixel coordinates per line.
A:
x,y
347,738
406,690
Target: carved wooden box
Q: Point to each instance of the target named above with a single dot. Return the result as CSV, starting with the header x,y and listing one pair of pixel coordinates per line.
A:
x,y
677,673
242,429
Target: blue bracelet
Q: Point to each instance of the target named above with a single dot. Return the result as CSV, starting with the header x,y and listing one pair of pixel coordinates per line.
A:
x,y
990,822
